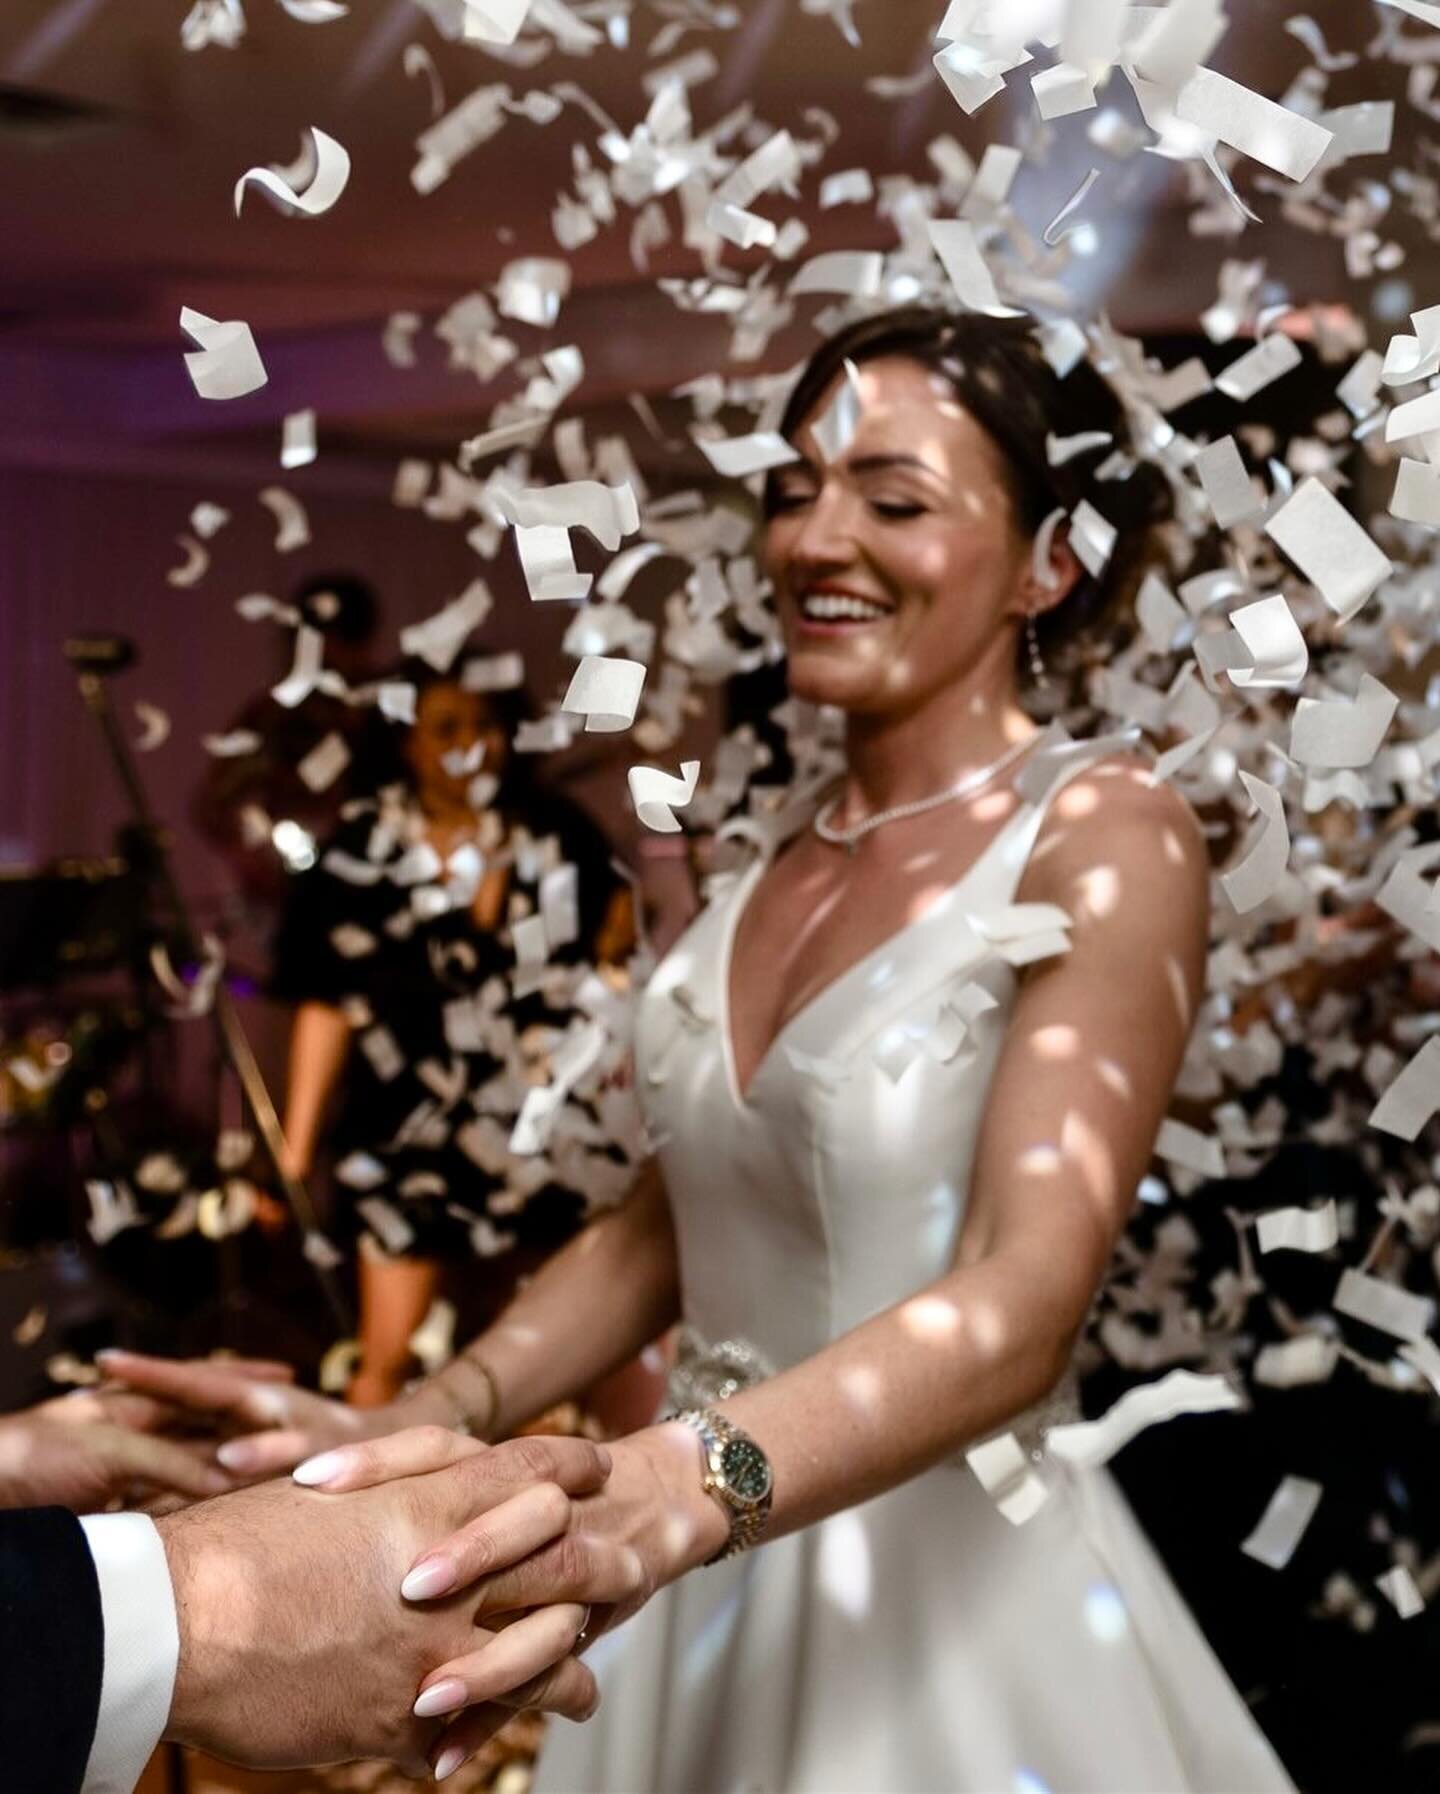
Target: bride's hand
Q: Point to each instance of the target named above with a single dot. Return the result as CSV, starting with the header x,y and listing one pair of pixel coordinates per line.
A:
x,y
648,1524
267,1423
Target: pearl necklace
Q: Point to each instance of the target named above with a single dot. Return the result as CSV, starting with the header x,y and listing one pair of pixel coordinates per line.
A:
x,y
850,838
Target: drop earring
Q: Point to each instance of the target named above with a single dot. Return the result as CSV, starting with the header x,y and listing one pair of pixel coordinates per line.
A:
x,y
1038,674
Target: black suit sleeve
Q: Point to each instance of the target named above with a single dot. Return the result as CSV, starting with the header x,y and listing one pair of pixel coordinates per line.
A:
x,y
52,1651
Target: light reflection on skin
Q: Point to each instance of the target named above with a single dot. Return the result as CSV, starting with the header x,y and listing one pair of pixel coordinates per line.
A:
x,y
1100,891
1114,1078
860,1384
1179,991
931,1318
1087,1149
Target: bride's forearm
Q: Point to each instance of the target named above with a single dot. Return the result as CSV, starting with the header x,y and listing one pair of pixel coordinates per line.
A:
x,y
904,1390
603,1297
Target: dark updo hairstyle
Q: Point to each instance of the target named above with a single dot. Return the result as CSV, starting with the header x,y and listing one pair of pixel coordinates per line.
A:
x,y
386,761
340,605
999,373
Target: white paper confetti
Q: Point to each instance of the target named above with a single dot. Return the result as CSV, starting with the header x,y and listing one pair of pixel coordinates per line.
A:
x,y
1257,127
954,241
1416,498
1329,547
1228,489
332,172
1397,1584
325,762
1092,537
439,638
1282,1526
227,364
1257,368
837,424
494,21
193,568
1090,1443
297,440
733,457
605,691
1060,227
1384,1305
656,795
154,726
1267,855
1180,1144
292,525
1412,1098
1008,1477
1329,735
1298,1229
1273,645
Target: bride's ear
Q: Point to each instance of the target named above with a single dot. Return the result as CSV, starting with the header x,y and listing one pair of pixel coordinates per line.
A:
x,y
1054,567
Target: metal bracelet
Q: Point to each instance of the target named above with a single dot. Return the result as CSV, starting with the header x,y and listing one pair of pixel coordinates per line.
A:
x,y
486,1424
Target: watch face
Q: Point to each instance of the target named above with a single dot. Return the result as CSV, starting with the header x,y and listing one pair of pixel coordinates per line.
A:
x,y
746,1469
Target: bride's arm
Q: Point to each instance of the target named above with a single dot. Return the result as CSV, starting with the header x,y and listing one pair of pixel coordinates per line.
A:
x,y
588,1310
612,1290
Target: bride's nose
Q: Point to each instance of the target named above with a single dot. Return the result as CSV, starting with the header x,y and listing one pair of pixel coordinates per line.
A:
x,y
826,538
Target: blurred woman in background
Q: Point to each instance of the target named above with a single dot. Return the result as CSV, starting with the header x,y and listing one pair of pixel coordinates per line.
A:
x,y
395,947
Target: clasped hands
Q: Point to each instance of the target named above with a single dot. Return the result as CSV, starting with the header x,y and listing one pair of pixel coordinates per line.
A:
x,y
539,1543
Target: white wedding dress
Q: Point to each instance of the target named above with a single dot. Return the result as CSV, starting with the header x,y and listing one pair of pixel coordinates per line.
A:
x,y
918,1643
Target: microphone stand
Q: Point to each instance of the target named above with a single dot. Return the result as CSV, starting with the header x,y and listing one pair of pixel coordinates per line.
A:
x,y
234,1043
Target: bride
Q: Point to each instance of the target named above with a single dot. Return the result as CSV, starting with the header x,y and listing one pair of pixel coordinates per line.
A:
x,y
906,1072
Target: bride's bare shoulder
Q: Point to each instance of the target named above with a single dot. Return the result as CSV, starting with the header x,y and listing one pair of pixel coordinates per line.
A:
x,y
1118,839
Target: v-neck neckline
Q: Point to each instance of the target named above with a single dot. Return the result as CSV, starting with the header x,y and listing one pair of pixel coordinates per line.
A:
x,y
740,903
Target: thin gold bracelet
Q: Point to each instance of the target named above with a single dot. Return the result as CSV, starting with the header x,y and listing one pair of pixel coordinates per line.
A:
x,y
492,1394
462,1417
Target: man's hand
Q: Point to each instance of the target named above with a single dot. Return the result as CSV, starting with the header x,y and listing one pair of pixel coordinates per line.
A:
x,y
280,1424
613,1547
295,1644
54,1456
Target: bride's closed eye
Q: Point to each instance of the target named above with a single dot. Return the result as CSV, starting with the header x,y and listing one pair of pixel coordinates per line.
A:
x,y
790,499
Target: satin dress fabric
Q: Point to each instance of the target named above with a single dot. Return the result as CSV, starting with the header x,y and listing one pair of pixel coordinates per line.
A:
x,y
919,1642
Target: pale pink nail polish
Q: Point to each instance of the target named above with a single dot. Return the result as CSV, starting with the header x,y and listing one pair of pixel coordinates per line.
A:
x,y
319,1469
236,1456
448,1762
431,1576
445,1697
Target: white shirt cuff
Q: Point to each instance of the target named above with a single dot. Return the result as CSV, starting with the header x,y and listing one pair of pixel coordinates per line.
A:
x,y
142,1648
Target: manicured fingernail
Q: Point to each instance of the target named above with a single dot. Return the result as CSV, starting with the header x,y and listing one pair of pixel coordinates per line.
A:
x,y
236,1455
431,1576
445,1697
448,1762
218,1483
106,1353
321,1469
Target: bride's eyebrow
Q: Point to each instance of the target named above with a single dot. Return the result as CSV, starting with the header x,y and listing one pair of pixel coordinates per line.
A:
x,y
880,463
868,463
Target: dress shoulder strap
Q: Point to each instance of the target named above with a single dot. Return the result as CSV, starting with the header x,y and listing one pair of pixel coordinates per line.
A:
x,y
1054,763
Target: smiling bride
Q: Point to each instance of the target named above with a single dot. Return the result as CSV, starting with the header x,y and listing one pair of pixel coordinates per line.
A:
x,y
906,1072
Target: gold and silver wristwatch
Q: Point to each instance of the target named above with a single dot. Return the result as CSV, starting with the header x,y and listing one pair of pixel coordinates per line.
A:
x,y
737,1473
